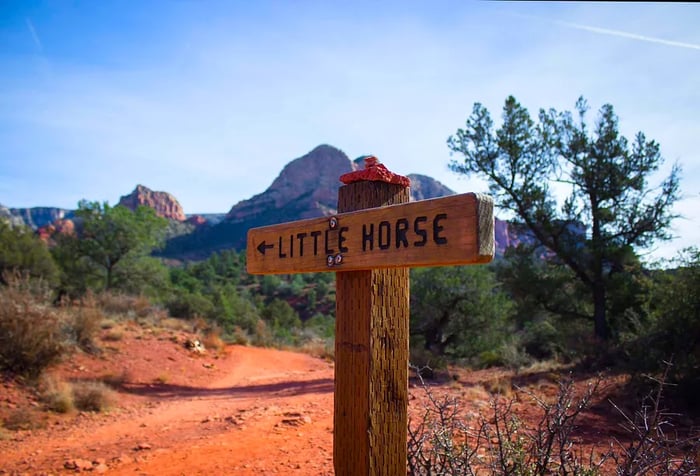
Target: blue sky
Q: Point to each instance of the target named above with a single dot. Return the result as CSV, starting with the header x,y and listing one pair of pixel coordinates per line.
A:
x,y
209,100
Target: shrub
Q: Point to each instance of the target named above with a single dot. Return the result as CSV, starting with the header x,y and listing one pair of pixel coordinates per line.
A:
x,y
92,396
56,394
238,336
85,321
22,251
424,361
189,305
321,348
113,335
262,335
119,304
674,330
117,380
446,440
30,332
142,306
322,325
24,419
212,341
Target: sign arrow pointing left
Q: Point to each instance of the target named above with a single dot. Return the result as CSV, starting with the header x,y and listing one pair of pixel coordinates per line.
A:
x,y
262,247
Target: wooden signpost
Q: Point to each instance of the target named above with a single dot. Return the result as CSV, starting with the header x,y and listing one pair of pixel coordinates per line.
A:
x,y
437,232
370,244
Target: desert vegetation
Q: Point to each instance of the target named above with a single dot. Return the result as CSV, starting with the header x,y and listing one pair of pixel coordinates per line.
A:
x,y
575,294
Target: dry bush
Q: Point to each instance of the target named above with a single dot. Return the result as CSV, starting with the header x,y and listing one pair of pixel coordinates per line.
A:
x,y
24,419
57,394
212,341
30,330
200,324
92,396
239,336
499,386
263,335
426,362
321,348
117,380
656,447
107,324
142,306
115,304
113,335
176,324
445,440
85,321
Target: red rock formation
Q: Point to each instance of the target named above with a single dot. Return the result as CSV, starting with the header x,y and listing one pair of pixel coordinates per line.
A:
x,y
307,187
64,226
163,203
197,220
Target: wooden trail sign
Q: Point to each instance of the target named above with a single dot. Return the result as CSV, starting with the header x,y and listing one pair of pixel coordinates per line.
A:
x,y
373,240
444,231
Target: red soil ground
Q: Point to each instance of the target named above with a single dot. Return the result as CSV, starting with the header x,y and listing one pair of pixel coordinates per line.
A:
x,y
246,411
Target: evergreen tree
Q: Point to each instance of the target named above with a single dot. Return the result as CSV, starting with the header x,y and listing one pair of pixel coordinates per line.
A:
x,y
610,210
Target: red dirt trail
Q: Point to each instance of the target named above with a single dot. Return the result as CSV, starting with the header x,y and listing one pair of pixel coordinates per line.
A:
x,y
264,412
245,411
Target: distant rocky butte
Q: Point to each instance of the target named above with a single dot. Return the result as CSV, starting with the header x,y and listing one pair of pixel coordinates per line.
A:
x,y
307,187
164,204
424,188
35,217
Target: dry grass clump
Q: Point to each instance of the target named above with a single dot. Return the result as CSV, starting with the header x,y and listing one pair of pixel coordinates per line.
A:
x,y
499,386
213,342
24,419
124,305
85,322
176,324
117,380
30,331
113,335
321,348
107,324
56,394
118,304
239,336
142,306
63,397
93,396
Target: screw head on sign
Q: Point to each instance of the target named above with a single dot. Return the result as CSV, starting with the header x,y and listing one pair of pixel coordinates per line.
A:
x,y
338,258
330,260
333,223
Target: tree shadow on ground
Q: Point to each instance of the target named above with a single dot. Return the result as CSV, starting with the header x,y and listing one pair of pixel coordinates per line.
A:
x,y
283,389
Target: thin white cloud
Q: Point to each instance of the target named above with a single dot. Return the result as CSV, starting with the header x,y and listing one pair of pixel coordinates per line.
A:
x,y
35,35
632,36
608,31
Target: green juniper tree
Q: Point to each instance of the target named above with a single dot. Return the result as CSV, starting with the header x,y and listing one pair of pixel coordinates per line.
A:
x,y
23,252
610,209
111,240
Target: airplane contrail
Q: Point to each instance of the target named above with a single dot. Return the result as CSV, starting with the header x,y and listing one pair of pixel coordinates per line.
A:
x,y
34,34
631,36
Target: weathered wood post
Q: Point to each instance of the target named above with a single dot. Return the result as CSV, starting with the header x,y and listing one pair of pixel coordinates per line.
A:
x,y
370,244
371,345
